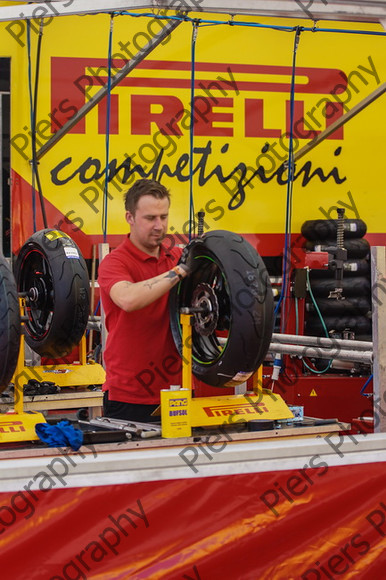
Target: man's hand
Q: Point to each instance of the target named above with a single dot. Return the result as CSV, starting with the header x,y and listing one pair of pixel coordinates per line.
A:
x,y
188,260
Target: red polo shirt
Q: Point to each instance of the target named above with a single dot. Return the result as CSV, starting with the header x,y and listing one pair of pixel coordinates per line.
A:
x,y
140,356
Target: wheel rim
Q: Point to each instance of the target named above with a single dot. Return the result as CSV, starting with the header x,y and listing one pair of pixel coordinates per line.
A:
x,y
207,288
205,299
35,281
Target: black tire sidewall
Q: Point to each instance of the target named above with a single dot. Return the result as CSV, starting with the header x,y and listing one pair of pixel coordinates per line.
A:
x,y
9,324
321,229
71,291
356,248
251,302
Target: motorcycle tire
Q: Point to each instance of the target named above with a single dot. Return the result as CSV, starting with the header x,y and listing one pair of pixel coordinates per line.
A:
x,y
52,274
359,286
357,324
9,324
230,338
349,306
351,268
326,229
359,248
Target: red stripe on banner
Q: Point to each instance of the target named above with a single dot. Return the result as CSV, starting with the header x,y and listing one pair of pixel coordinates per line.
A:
x,y
204,84
313,79
308,524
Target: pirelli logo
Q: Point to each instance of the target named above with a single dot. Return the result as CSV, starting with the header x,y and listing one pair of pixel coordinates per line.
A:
x,y
12,427
154,97
238,409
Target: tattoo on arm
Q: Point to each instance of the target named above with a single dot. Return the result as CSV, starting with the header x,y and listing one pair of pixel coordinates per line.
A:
x,y
149,284
172,276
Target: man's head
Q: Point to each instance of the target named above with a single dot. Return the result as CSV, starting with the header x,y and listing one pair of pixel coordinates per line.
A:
x,y
147,210
144,187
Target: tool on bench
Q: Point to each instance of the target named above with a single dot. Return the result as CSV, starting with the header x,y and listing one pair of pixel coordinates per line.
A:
x,y
142,430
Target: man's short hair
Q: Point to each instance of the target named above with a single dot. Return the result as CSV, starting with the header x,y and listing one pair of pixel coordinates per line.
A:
x,y
144,187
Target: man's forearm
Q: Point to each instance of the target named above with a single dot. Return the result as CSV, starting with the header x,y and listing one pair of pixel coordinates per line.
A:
x,y
132,296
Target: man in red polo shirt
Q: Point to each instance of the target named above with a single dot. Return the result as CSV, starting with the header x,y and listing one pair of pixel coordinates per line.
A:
x,y
140,356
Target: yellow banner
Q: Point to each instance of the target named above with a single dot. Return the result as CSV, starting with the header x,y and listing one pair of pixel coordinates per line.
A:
x,y
242,112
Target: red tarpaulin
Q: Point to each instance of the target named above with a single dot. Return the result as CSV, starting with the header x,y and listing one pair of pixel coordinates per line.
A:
x,y
326,522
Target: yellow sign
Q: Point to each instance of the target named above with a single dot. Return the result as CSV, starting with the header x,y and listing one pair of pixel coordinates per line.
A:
x,y
313,393
241,117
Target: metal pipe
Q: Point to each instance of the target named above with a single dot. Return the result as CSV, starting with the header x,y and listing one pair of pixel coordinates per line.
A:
x,y
91,319
320,341
94,326
379,91
310,351
349,10
378,273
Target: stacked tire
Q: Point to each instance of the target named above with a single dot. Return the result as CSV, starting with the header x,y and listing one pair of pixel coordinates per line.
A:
x,y
352,315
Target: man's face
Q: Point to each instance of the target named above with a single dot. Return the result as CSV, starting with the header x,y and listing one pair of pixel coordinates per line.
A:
x,y
149,225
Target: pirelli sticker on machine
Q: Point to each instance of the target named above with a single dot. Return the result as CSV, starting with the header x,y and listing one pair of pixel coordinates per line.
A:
x,y
235,409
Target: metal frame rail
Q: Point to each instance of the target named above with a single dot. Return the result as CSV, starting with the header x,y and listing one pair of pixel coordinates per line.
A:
x,y
342,10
